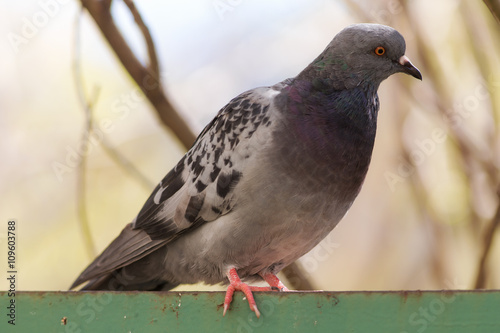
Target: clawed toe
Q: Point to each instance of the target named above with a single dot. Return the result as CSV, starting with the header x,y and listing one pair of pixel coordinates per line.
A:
x,y
236,284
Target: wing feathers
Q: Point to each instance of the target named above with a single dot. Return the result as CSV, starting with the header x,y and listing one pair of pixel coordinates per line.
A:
x,y
130,246
199,189
201,186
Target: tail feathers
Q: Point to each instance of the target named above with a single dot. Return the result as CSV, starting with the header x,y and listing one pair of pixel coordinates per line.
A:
x,y
116,282
147,273
129,247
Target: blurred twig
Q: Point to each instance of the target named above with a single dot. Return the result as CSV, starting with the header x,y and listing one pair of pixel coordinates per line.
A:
x,y
147,78
126,165
87,105
494,7
487,242
153,65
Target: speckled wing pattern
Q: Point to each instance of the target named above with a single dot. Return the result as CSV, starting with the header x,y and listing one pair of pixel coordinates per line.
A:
x,y
198,189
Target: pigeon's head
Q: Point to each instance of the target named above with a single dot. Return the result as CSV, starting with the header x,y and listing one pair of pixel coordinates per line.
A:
x,y
364,54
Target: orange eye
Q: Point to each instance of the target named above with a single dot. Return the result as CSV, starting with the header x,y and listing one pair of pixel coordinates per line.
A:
x,y
380,51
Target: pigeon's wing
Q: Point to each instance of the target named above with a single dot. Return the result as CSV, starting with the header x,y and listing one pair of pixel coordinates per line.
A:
x,y
198,189
130,246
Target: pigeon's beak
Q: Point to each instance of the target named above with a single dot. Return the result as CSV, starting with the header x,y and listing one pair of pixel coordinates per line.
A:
x,y
408,68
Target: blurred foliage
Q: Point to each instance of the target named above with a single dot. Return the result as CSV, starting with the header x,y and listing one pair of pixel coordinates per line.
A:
x,y
427,217
449,132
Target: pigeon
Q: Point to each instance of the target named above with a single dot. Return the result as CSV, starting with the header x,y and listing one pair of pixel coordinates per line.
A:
x,y
266,180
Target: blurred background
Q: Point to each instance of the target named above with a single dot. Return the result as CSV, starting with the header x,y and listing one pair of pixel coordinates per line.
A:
x,y
426,218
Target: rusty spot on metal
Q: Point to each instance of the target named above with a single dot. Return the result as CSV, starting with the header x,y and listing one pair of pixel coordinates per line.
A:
x,y
448,292
64,320
407,293
404,295
219,306
39,294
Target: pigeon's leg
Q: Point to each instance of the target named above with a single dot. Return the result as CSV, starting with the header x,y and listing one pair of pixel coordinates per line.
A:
x,y
274,282
236,284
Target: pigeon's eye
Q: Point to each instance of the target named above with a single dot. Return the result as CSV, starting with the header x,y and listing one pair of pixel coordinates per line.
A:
x,y
380,50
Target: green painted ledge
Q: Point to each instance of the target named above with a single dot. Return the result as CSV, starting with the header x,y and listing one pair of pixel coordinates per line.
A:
x,y
406,311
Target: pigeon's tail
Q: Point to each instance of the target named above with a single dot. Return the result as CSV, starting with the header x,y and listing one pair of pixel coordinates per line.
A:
x,y
118,282
143,274
131,262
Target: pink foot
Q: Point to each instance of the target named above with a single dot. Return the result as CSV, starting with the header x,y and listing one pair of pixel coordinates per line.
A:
x,y
274,282
236,284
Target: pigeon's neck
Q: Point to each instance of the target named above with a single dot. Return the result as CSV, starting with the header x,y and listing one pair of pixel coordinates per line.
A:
x,y
327,133
318,103
331,122
336,73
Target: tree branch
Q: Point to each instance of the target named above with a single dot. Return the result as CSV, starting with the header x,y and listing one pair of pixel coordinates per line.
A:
x,y
87,105
488,241
494,7
146,78
153,66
